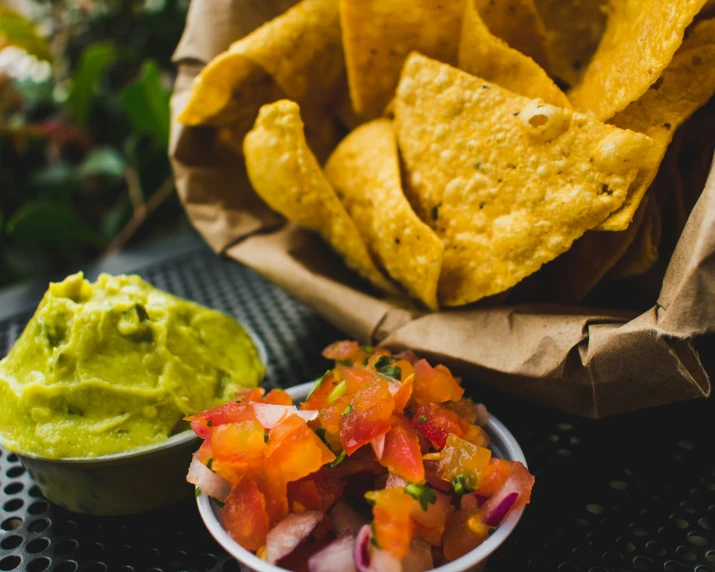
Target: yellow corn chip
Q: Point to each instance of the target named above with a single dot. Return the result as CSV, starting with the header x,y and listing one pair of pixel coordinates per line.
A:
x,y
518,23
285,173
378,35
296,55
701,34
508,183
486,56
643,253
641,38
365,172
573,30
685,85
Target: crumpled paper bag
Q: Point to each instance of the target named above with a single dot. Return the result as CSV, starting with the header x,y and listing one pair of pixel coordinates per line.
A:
x,y
587,362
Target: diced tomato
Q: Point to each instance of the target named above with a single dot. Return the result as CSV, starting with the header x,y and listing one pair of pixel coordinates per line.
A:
x,y
494,476
294,451
402,455
406,369
461,535
238,448
205,422
408,355
391,516
315,492
355,375
476,435
341,350
436,422
275,492
318,397
464,461
465,408
253,394
367,416
430,524
244,515
205,452
403,394
278,397
434,385
432,476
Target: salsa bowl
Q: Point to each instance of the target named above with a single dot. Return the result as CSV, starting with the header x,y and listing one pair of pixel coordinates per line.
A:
x,y
503,445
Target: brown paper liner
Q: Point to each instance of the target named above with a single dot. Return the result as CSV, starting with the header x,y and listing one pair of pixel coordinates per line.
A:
x,y
587,362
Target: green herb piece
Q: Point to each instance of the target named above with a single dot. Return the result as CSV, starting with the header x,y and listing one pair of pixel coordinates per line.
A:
x,y
422,494
265,437
210,423
409,414
340,458
219,503
210,463
369,349
365,361
347,410
373,535
384,367
462,485
320,432
340,390
345,361
317,384
197,492
421,419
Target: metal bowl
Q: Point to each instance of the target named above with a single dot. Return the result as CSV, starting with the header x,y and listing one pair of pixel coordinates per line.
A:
x,y
503,445
124,483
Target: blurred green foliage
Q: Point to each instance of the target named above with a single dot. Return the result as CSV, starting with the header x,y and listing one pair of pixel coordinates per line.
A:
x,y
84,129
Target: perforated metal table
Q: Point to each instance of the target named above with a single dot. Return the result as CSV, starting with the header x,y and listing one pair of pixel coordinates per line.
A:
x,y
635,492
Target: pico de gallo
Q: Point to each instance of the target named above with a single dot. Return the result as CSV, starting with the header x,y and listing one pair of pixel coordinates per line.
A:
x,y
384,467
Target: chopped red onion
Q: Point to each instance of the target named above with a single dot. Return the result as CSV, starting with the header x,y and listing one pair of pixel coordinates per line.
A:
x,y
419,559
209,482
378,446
495,513
335,557
269,415
368,558
345,519
285,536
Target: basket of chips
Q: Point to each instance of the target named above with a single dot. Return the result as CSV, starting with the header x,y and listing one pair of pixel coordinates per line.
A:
x,y
516,189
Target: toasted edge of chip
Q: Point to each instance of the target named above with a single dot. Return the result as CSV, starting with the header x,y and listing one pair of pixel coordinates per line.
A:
x,y
640,39
483,54
518,23
678,93
286,175
364,170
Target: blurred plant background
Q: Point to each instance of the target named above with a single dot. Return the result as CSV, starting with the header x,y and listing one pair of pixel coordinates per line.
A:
x,y
84,129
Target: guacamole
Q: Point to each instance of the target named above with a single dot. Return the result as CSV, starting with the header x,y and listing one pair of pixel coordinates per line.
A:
x,y
108,367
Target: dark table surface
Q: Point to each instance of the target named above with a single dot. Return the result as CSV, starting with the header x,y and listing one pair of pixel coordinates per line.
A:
x,y
635,492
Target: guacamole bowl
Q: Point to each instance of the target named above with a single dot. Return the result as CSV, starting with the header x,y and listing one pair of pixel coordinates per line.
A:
x,y
123,483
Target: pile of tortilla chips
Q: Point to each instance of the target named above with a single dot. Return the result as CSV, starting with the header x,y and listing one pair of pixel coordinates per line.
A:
x,y
447,151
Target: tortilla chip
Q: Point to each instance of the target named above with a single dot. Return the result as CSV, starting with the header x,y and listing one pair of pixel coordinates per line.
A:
x,y
285,173
573,30
701,34
365,172
518,23
508,183
379,35
296,55
641,38
643,253
685,85
486,56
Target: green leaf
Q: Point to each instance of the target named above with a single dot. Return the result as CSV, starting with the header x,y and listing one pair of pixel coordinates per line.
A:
x,y
16,30
384,366
94,61
103,161
45,223
339,459
421,493
146,101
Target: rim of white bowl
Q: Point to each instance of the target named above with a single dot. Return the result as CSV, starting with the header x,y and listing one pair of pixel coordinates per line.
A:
x,y
507,444
181,438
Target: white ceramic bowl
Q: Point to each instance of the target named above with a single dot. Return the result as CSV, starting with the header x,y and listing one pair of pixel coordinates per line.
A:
x,y
502,444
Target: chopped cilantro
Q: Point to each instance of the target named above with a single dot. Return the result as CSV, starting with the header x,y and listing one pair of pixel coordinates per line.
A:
x,y
219,503
320,432
421,419
340,390
409,414
210,463
462,485
347,410
265,437
384,367
373,535
339,459
317,384
197,492
210,423
345,361
421,493
365,361
369,349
